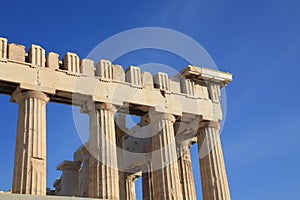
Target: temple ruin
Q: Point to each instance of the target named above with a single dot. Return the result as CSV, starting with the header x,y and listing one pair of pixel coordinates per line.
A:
x,y
175,113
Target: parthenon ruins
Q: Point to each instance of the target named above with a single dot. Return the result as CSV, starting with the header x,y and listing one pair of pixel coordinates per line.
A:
x,y
175,112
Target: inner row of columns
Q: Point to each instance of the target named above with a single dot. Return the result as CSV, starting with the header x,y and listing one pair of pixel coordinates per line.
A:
x,y
173,181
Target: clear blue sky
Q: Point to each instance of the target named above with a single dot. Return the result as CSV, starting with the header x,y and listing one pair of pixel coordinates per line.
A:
x,y
257,41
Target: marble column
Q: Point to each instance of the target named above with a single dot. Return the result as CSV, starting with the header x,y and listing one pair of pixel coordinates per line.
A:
x,y
103,169
212,166
147,183
84,176
130,186
30,154
121,130
82,155
186,173
166,182
69,177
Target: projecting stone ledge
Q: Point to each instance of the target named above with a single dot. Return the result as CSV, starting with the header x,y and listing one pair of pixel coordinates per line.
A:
x,y
34,197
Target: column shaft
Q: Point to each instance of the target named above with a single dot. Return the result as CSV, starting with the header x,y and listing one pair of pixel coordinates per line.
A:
x,y
130,187
212,166
84,177
30,154
82,155
186,174
147,184
122,186
103,172
166,183
120,120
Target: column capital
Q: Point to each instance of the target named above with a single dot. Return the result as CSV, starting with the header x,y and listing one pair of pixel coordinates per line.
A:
x,y
69,165
184,144
208,124
20,95
106,106
133,176
90,106
183,147
158,116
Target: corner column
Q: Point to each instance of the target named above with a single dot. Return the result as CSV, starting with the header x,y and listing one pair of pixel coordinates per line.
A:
x,y
30,155
166,182
186,172
212,166
103,169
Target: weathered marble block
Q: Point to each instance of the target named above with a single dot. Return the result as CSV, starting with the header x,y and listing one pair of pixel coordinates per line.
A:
x,y
3,47
161,81
52,61
16,52
118,73
133,76
104,70
87,67
71,63
37,55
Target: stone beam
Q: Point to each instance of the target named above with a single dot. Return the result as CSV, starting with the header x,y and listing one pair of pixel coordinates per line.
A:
x,y
70,81
198,74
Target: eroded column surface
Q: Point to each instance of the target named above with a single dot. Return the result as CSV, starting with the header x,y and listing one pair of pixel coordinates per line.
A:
x,y
212,166
30,155
166,182
186,173
103,171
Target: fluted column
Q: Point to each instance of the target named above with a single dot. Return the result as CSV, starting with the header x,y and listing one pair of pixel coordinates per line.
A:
x,y
212,166
166,183
147,183
130,186
103,171
121,130
82,155
130,189
84,178
30,155
186,173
